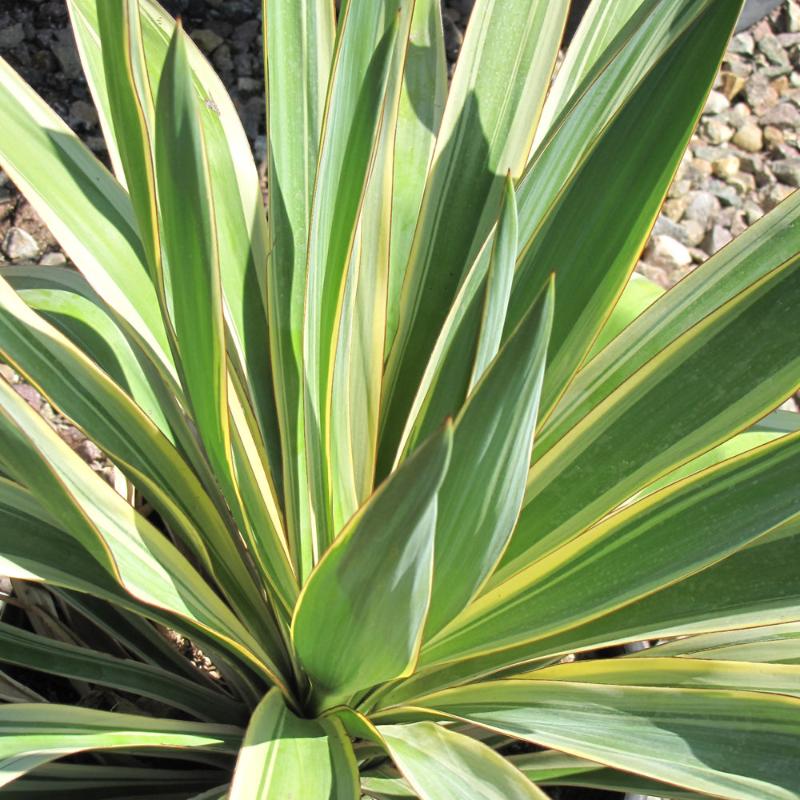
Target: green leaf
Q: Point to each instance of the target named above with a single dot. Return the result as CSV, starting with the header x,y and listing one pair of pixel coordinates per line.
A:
x,y
90,781
86,394
756,586
32,548
664,415
242,234
343,608
649,545
284,756
299,49
552,768
359,359
638,295
735,745
598,29
773,644
386,786
422,102
35,652
126,545
492,109
498,284
130,105
36,734
192,281
687,673
356,102
482,492
86,209
578,146
64,298
444,765
613,196
770,242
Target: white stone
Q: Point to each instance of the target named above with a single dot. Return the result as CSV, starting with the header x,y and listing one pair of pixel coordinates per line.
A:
x,y
664,251
19,245
716,103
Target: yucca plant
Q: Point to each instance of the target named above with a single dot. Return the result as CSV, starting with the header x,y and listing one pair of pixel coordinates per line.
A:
x,y
393,449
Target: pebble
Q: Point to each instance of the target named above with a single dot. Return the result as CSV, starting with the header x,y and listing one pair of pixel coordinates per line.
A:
x,y
760,95
54,259
773,137
749,137
717,132
668,227
731,84
19,245
772,49
743,182
702,207
656,274
726,167
12,36
89,451
753,212
793,16
206,39
664,251
675,207
774,194
29,395
787,171
699,255
726,194
783,115
742,44
716,239
694,233
716,103
63,48
83,113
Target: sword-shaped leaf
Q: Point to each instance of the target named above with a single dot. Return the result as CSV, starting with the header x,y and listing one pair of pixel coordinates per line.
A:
x,y
343,610
367,40
189,234
481,495
491,113
441,764
298,47
28,650
37,734
625,442
734,745
284,756
652,544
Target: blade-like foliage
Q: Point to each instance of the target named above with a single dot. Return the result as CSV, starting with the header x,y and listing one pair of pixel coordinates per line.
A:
x,y
285,756
385,436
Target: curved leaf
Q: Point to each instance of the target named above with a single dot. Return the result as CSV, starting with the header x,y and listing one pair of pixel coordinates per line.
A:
x,y
283,756
481,495
343,607
36,734
444,765
25,649
492,108
734,745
